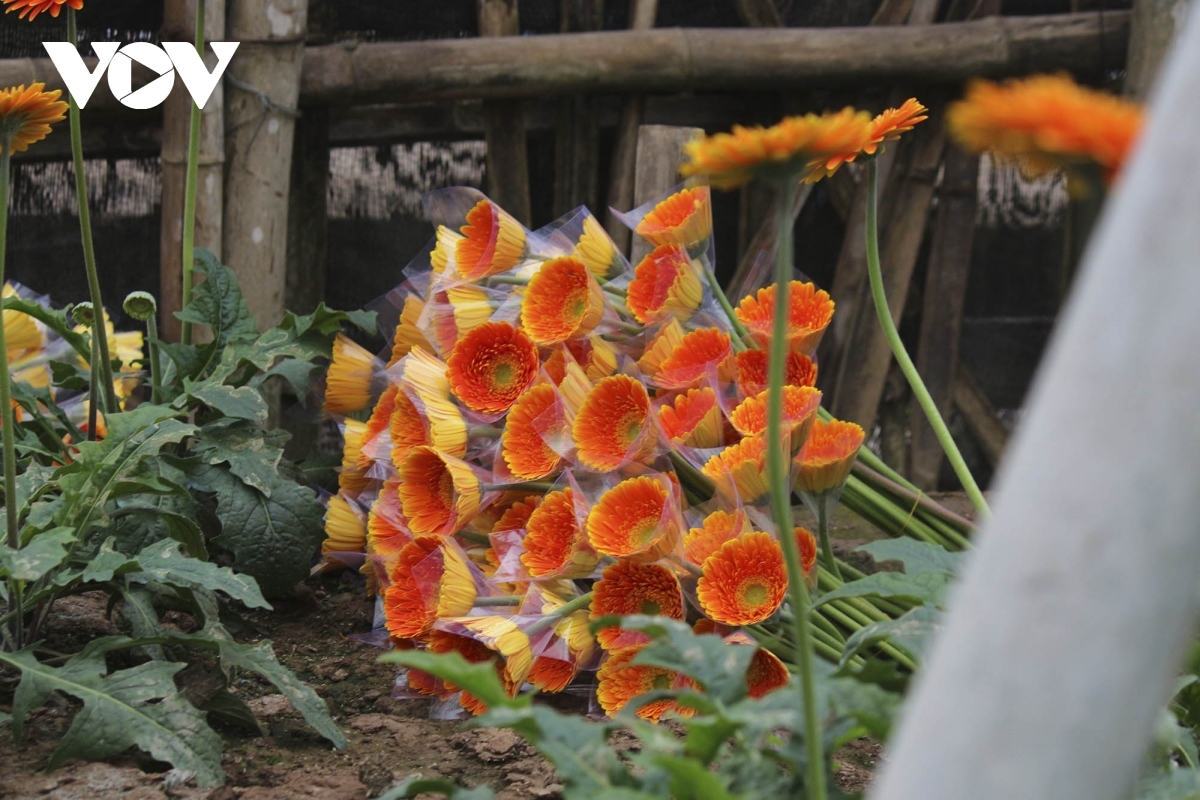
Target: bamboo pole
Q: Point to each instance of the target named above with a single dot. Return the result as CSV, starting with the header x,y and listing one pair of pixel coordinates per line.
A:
x,y
179,23
507,156
1065,637
261,110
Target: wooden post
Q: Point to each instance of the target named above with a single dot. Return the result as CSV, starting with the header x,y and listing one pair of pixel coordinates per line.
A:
x,y
308,223
507,158
624,159
758,13
941,312
1065,637
659,153
179,24
577,131
264,86
1150,31
976,410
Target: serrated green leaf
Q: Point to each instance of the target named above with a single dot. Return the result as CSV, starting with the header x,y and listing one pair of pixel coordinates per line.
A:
x,y
912,632
218,304
38,557
230,709
328,321
244,448
147,519
691,780
240,402
107,563
480,680
260,659
917,557
706,734
416,785
927,587
1178,784
716,666
166,563
136,707
299,373
139,611
190,360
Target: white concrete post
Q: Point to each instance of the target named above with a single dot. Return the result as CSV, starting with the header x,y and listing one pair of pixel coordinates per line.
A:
x,y
1064,638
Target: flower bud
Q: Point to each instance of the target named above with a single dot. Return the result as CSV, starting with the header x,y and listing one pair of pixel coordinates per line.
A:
x,y
84,314
141,306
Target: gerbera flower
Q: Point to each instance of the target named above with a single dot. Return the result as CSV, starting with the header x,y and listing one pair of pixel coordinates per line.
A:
x,y
438,493
345,530
665,283
634,518
516,516
492,366
408,333
22,336
745,581
387,534
683,219
717,529
752,371
627,588
610,421
535,420
620,682
698,353
429,581
732,159
353,478
350,384
597,250
31,8
562,301
492,242
560,661
27,114
739,471
376,440
661,345
800,404
406,426
809,311
808,549
886,127
481,639
828,457
693,419
444,246
424,378
766,672
596,357
472,306
554,542
1046,122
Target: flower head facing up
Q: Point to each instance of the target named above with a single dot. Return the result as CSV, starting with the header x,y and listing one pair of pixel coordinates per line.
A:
x,y
27,114
828,456
885,127
1045,122
554,543
810,311
628,588
29,9
634,519
610,422
665,284
752,371
745,581
492,242
492,366
534,421
562,301
781,151
684,219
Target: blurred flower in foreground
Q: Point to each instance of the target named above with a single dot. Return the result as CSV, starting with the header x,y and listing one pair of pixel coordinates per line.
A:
x,y
26,114
31,8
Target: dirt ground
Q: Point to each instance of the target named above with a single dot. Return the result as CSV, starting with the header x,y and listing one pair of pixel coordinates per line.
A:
x,y
388,739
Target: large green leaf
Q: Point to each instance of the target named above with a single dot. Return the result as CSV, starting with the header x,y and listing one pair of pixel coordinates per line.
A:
x,y
716,666
238,402
44,553
926,587
137,707
415,785
917,557
1177,784
479,679
244,447
164,562
912,632
218,304
578,749
690,780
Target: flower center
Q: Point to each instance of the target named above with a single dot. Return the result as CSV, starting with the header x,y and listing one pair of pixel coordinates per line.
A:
x,y
662,681
651,607
755,594
502,375
644,530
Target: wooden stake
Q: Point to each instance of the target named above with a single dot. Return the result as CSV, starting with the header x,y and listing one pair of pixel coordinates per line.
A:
x,y
659,153
977,411
507,156
576,141
1150,33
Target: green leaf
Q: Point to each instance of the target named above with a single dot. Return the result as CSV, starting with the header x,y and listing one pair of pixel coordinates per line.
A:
x,y
917,557
706,734
136,707
260,659
415,785
328,321
912,632
480,680
240,402
691,780
218,304
230,709
54,320
108,563
244,448
716,666
871,706
1178,784
150,519
44,553
926,587
138,609
165,562
578,749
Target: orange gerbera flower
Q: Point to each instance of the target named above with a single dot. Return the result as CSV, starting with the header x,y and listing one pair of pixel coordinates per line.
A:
x,y
808,549
353,478
766,672
1046,122
620,681
559,662
627,588
683,219
886,127
597,250
439,493
809,312
562,301
444,246
732,159
492,242
503,643
386,532
634,518
717,529
693,419
745,581
345,530
430,580
665,283
492,366
424,379
516,516
554,541
31,8
609,422
661,345
374,448
828,457
406,426
698,353
739,471
536,420
408,333
350,384
800,404
752,371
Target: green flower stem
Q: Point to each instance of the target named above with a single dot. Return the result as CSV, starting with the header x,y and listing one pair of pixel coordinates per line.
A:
x,y
155,365
736,327
189,192
499,600
827,583
89,251
820,621
877,509
523,486
918,498
93,389
570,607
906,365
781,494
831,564
7,418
